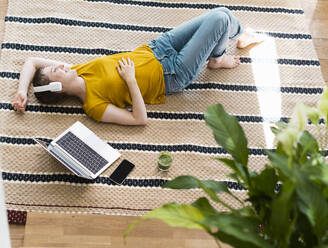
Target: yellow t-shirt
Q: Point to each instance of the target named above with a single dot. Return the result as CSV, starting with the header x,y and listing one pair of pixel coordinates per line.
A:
x,y
105,86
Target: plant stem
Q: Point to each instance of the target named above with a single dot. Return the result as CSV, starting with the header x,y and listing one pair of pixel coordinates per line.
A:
x,y
321,141
236,198
290,162
325,141
218,243
226,205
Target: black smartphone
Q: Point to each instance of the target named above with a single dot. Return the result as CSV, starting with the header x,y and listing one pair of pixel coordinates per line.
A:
x,y
121,172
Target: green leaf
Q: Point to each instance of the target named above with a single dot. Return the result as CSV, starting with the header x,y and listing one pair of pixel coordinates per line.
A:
x,y
180,215
325,192
235,177
275,130
215,186
299,118
227,132
234,241
280,162
303,229
313,114
247,211
324,239
182,182
262,192
281,125
318,174
219,187
323,105
312,202
174,214
281,225
210,187
240,170
190,182
316,160
280,150
236,230
229,162
204,206
309,145
211,193
288,139
264,183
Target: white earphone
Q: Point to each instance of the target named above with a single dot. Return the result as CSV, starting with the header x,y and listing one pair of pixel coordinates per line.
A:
x,y
53,86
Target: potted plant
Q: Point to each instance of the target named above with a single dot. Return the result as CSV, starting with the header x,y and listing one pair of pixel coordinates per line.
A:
x,y
287,204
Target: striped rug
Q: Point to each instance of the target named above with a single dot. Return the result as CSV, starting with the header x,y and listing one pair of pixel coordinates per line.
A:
x,y
272,77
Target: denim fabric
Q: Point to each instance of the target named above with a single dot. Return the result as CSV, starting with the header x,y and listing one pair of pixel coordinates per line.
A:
x,y
183,50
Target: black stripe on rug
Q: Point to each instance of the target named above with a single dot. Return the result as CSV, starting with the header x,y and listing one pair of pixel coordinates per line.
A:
x,y
55,49
203,6
73,206
79,23
147,147
150,114
49,178
69,22
101,51
286,35
46,109
282,61
153,115
141,147
252,88
224,87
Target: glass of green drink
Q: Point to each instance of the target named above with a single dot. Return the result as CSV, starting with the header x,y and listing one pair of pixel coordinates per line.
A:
x,y
165,160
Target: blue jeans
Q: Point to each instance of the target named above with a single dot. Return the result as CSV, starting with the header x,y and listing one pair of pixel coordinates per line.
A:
x,y
183,50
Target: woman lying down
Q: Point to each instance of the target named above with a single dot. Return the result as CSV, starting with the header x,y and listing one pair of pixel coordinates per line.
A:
x,y
167,65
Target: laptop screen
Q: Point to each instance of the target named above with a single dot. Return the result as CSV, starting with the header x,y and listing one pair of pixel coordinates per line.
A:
x,y
83,153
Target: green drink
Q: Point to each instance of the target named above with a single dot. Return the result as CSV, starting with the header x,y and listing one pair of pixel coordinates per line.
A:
x,y
164,161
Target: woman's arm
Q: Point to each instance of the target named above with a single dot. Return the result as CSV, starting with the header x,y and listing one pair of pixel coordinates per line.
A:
x,y
26,76
138,116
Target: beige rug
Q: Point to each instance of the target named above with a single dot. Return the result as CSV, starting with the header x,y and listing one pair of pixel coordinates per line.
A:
x,y
273,76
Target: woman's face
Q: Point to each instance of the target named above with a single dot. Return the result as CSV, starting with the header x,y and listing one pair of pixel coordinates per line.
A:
x,y
60,73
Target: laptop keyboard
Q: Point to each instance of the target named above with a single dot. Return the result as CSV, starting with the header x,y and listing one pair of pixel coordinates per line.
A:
x,y
82,152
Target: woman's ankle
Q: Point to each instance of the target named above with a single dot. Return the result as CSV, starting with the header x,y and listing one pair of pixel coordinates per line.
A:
x,y
248,37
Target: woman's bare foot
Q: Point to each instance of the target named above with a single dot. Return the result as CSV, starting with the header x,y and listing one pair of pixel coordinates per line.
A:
x,y
249,37
225,61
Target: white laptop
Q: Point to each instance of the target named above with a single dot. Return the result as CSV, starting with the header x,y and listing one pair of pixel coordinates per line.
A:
x,y
81,151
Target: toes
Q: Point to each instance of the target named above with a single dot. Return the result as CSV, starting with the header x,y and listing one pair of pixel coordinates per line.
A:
x,y
237,59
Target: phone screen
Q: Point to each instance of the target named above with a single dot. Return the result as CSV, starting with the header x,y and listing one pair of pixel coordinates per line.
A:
x,y
121,172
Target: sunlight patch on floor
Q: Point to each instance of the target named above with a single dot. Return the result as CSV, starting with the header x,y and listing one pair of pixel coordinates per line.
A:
x,y
267,80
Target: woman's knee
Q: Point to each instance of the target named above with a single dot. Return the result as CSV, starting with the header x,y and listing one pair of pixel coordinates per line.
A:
x,y
224,10
219,20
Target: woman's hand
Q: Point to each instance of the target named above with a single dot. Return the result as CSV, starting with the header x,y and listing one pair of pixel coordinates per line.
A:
x,y
19,102
126,70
